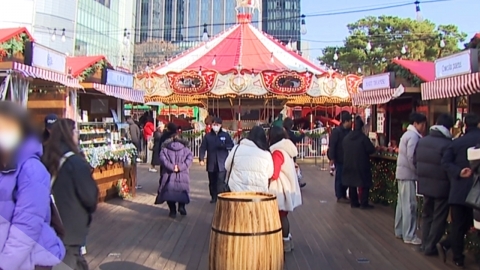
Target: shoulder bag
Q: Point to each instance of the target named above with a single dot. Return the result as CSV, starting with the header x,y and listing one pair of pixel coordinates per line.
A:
x,y
227,188
473,197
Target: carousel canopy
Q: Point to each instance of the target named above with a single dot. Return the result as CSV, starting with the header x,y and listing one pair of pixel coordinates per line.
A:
x,y
8,33
243,46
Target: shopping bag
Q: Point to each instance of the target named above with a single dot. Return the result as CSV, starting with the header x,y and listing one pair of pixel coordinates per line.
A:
x,y
473,198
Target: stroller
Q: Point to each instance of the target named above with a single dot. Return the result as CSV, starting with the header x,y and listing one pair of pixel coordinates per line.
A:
x,y
299,176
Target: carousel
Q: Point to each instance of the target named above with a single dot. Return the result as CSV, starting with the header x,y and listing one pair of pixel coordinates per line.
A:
x,y
244,76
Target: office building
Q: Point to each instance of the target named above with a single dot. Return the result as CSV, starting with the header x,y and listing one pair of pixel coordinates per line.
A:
x,y
183,20
43,19
106,27
281,19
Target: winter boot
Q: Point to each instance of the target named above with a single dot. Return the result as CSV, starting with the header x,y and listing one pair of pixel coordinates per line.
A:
x,y
181,209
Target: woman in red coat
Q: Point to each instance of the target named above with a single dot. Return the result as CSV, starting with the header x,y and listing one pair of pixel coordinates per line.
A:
x,y
148,131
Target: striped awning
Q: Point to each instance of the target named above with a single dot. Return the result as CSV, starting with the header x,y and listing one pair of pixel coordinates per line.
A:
x,y
47,75
457,86
375,97
128,94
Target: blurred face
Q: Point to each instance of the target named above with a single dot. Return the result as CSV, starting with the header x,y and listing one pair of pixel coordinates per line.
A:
x,y
348,124
10,135
420,127
161,128
76,135
216,127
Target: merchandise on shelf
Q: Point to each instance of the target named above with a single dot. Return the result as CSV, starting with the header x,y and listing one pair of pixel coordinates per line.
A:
x,y
101,155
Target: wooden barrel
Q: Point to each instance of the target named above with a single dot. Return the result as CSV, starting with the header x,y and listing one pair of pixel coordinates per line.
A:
x,y
246,233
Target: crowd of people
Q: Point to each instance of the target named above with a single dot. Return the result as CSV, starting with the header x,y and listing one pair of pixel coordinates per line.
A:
x,y
436,166
47,193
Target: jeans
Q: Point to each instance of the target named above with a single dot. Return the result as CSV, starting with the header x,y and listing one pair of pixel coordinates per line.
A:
x,y
216,183
340,189
462,221
406,212
434,221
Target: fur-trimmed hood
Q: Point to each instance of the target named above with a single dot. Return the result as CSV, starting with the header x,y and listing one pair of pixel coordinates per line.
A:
x,y
287,146
175,144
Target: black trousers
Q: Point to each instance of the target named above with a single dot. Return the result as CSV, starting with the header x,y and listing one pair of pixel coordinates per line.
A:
x,y
173,209
353,194
216,183
434,221
462,221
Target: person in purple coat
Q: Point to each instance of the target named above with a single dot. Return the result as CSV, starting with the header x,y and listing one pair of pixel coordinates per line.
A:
x,y
175,159
27,240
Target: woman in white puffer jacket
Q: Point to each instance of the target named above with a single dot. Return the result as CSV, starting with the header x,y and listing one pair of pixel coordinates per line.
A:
x,y
249,165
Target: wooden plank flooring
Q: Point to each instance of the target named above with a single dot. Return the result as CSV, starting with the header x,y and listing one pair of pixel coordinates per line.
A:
x,y
137,235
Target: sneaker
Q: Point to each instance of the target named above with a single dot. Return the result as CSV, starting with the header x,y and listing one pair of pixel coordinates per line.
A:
x,y
152,170
291,241
398,236
139,160
415,241
83,250
287,245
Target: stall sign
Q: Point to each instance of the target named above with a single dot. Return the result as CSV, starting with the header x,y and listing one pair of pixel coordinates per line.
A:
x,y
380,122
47,58
379,81
118,78
465,62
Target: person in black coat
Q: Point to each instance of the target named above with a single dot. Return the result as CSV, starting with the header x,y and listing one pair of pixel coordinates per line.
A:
x,y
335,153
157,143
74,189
433,182
357,170
217,143
455,161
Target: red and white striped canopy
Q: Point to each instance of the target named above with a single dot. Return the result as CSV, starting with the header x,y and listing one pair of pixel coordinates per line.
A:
x,y
243,46
34,72
373,97
124,93
457,86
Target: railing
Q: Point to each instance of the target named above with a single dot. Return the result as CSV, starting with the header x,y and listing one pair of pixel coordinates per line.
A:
x,y
314,145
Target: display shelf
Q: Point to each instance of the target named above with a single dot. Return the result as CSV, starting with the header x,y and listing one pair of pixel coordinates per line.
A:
x,y
93,134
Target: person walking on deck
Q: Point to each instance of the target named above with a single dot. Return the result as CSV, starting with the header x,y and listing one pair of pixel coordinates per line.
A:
x,y
335,154
216,144
433,182
406,174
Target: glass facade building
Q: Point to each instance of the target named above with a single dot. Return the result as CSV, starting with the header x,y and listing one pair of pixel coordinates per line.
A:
x,y
183,20
281,19
100,30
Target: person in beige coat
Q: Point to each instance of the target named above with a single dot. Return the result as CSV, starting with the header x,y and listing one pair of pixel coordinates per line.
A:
x,y
284,182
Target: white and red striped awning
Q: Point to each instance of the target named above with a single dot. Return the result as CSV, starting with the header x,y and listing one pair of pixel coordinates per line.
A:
x,y
373,97
124,93
457,86
47,75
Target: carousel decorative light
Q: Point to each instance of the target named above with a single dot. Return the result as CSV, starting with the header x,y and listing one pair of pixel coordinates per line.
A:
x,y
63,35
54,35
272,59
205,33
359,70
303,26
200,71
214,61
418,13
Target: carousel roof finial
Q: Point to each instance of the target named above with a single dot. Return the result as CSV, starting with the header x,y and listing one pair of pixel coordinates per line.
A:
x,y
245,10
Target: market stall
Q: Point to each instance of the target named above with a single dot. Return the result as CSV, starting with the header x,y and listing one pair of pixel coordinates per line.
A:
x,y
456,88
391,96
99,118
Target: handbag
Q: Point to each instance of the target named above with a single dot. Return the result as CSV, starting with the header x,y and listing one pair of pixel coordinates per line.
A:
x,y
227,188
473,197
150,144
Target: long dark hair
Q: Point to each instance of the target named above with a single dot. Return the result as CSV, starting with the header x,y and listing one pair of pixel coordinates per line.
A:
x,y
61,137
258,137
276,134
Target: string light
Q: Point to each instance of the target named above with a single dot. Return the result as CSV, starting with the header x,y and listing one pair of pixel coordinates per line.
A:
x,y
418,13
303,26
54,35
404,50
63,35
214,62
442,42
335,55
359,70
272,59
205,33
369,46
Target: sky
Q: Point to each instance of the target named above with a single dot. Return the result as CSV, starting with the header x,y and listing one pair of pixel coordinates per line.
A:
x,y
463,13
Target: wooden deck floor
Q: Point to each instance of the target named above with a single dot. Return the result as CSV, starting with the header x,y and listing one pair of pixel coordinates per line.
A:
x,y
136,235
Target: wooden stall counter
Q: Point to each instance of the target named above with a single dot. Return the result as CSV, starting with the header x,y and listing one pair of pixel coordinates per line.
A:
x,y
115,170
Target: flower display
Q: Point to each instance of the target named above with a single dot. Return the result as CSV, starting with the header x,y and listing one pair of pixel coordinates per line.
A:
x,y
102,155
